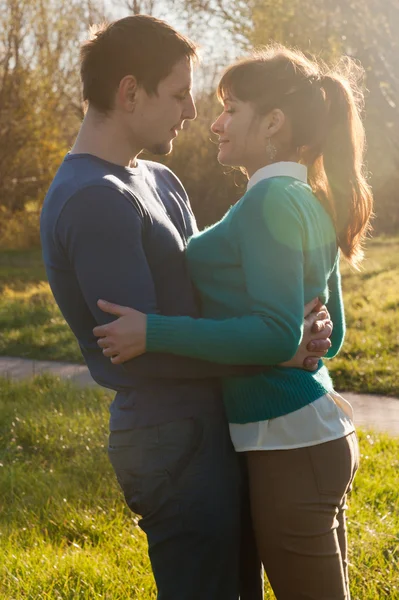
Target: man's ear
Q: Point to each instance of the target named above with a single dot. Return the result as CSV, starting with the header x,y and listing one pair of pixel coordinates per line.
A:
x,y
127,92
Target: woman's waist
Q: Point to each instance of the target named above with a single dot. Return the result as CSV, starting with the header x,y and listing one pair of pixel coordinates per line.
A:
x,y
276,392
287,377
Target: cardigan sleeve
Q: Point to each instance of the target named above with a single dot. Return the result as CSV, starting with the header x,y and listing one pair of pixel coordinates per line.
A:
x,y
267,227
335,307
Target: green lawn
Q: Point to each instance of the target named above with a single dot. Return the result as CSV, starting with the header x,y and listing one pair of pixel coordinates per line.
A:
x,y
369,360
31,325
65,533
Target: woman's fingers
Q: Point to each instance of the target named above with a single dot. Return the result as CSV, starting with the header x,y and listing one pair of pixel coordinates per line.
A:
x,y
103,342
324,330
311,363
107,346
108,352
319,346
118,359
113,309
310,306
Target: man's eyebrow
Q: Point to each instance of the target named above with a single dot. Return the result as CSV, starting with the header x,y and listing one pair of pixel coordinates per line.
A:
x,y
185,88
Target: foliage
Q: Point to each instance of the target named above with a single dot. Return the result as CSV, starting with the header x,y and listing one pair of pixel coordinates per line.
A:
x,y
20,229
366,30
39,92
40,108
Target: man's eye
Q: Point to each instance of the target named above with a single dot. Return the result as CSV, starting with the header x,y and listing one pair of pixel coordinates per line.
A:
x,y
181,96
229,110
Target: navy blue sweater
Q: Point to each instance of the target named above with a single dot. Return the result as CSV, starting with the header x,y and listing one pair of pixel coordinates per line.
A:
x,y
120,234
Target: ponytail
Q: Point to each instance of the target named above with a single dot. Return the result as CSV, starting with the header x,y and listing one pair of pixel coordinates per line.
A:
x,y
346,190
324,108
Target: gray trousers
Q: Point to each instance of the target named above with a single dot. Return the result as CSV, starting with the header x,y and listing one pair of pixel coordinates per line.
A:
x,y
187,484
298,502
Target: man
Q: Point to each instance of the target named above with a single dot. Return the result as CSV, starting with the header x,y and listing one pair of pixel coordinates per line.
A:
x,y
116,227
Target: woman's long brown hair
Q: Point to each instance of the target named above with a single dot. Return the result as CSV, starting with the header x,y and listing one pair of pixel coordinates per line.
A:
x,y
324,108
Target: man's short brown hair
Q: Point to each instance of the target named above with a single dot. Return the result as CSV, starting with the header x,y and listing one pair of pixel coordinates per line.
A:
x,y
140,45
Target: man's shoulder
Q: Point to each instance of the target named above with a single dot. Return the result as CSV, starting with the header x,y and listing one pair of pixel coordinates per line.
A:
x,y
75,179
155,167
163,173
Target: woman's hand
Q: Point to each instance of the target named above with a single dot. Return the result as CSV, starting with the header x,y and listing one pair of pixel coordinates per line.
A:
x,y
315,340
124,338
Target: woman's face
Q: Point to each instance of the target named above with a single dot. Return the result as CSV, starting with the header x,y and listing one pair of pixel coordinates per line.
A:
x,y
242,136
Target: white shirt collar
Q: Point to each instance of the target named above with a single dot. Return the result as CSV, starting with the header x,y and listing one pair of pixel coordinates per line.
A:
x,y
279,169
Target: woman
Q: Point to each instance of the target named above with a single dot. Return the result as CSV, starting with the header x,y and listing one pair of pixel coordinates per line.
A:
x,y
295,127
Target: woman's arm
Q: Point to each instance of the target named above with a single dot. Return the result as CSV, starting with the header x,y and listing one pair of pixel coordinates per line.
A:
x,y
335,307
268,230
124,339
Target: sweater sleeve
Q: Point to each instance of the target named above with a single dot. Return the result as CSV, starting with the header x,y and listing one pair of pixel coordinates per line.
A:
x,y
100,230
335,307
268,228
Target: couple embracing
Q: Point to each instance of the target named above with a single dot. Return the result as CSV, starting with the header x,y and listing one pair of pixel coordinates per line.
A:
x,y
226,434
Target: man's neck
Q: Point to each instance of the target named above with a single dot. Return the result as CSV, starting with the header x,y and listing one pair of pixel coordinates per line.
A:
x,y
105,138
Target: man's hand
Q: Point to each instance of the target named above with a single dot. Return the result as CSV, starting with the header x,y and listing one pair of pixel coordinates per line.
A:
x,y
124,338
315,340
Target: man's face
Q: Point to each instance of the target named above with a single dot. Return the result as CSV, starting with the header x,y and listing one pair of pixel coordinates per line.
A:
x,y
158,118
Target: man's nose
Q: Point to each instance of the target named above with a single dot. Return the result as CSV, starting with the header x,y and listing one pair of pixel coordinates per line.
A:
x,y
190,111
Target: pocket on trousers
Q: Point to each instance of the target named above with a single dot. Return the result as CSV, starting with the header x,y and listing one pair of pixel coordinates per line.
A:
x,y
148,462
125,453
334,464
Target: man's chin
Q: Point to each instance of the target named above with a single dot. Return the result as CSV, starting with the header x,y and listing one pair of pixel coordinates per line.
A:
x,y
161,149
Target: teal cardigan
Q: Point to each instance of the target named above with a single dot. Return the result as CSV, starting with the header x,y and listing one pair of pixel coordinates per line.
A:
x,y
255,270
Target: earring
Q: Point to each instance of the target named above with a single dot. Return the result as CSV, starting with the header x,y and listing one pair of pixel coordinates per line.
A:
x,y
271,150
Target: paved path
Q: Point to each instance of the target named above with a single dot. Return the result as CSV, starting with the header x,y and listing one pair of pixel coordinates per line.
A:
x,y
22,368
376,412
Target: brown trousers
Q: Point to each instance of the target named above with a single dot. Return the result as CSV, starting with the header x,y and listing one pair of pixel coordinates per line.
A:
x,y
298,502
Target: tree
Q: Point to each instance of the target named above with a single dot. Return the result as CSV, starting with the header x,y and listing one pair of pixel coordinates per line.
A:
x,y
40,107
363,29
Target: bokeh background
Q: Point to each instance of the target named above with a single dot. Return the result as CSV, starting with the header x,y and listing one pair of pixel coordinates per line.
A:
x,y
41,109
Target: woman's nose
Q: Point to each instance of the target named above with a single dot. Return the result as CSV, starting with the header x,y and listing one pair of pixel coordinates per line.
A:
x,y
217,126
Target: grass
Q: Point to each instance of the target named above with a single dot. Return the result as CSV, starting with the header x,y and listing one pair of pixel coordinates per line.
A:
x,y
31,325
369,360
64,530
65,533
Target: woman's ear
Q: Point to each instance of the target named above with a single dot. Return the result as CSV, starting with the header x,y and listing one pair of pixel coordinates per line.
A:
x,y
275,122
